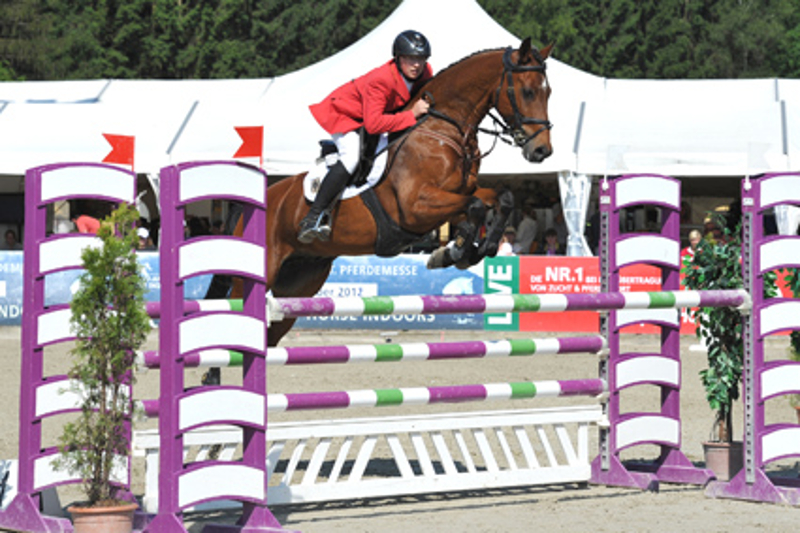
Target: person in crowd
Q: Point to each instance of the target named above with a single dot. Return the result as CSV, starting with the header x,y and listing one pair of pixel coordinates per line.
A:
x,y
11,241
560,224
86,224
551,246
687,254
366,107
506,247
527,229
145,243
711,230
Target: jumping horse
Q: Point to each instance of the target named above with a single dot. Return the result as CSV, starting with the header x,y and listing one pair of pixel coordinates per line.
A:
x,y
431,177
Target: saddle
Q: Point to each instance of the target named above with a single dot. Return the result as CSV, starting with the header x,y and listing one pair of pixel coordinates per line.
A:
x,y
392,239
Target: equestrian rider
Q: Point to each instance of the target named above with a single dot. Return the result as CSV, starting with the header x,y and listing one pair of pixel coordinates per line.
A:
x,y
369,103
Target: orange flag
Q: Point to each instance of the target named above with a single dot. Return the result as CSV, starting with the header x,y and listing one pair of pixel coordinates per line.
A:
x,y
121,149
252,141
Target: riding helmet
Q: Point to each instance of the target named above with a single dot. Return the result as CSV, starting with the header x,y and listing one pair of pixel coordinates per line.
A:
x,y
411,43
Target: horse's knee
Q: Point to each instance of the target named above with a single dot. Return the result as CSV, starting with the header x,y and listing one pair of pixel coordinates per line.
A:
x,y
476,210
505,201
463,240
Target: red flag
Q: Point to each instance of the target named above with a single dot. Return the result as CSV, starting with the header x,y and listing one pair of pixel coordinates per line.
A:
x,y
252,141
121,149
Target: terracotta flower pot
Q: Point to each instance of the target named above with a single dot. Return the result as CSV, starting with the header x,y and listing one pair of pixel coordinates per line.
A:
x,y
723,458
115,519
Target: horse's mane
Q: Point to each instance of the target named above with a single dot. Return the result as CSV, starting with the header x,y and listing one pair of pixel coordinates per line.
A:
x,y
463,59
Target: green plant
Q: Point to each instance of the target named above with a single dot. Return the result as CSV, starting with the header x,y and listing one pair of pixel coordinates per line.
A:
x,y
110,321
793,281
716,265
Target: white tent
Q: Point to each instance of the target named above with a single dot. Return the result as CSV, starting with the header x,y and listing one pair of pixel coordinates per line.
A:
x,y
291,133
697,128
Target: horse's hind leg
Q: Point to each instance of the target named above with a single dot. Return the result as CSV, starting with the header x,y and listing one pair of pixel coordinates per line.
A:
x,y
298,276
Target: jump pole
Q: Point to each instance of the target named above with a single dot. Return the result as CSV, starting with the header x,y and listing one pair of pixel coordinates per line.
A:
x,y
380,353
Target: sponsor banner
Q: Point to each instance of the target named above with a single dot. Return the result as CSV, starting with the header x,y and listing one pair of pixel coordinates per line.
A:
x,y
10,288
396,276
559,275
501,275
60,286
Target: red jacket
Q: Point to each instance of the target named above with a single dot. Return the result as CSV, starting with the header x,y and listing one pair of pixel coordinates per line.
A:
x,y
370,101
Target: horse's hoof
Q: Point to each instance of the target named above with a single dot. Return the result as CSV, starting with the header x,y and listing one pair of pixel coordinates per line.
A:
x,y
464,264
439,258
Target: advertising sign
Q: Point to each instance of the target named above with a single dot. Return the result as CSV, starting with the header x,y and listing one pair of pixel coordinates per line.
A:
x,y
501,275
396,276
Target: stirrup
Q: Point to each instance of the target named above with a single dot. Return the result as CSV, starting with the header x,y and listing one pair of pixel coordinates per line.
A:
x,y
315,229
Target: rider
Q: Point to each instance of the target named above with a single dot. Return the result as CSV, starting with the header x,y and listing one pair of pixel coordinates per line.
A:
x,y
370,103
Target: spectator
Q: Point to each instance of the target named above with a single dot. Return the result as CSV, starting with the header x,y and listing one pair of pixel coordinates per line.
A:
x,y
11,241
506,247
86,224
687,254
145,243
527,229
551,246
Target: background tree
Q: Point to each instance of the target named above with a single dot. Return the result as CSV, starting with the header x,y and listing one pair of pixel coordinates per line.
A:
x,y
178,39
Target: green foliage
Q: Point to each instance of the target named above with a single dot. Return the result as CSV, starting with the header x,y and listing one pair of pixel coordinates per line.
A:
x,y
110,321
175,39
716,265
793,280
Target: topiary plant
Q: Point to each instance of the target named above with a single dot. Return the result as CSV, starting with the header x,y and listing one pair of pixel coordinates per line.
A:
x,y
110,322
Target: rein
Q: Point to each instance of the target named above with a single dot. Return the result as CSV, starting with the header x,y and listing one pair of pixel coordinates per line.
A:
x,y
509,134
514,134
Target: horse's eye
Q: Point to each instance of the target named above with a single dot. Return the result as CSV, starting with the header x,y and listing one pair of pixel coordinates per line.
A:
x,y
528,93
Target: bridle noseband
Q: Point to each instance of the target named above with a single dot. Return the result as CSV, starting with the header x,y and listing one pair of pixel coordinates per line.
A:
x,y
515,130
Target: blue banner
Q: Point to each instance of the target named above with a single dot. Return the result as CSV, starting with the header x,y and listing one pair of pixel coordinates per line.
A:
x,y
397,276
10,288
60,287
350,276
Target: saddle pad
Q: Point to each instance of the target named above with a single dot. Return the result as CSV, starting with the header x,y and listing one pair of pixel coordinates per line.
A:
x,y
320,169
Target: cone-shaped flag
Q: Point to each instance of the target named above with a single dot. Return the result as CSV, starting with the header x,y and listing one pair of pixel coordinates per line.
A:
x,y
252,141
121,149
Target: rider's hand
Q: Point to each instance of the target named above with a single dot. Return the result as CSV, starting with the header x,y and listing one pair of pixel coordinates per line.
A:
x,y
420,107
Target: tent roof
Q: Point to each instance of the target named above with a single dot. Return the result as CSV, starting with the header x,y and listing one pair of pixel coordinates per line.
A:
x,y
602,126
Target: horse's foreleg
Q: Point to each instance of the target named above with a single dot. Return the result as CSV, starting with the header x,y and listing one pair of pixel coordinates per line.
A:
x,y
461,251
490,243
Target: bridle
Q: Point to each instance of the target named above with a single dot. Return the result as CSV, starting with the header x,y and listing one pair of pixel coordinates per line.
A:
x,y
515,131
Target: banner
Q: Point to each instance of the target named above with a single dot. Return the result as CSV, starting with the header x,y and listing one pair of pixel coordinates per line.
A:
x,y
396,276
501,275
562,275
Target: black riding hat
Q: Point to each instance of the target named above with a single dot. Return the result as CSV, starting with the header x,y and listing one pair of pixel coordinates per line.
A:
x,y
411,43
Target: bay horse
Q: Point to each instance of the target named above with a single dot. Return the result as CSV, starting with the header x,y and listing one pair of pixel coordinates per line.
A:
x,y
431,176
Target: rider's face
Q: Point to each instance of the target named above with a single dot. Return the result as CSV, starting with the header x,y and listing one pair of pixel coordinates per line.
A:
x,y
412,67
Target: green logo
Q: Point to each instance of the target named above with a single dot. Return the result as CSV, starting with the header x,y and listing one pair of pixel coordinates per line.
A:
x,y
501,275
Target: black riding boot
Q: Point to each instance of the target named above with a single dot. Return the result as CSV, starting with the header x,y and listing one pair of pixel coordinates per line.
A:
x,y
317,223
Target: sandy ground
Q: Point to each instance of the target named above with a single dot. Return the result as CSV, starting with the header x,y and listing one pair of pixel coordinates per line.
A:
x,y
569,508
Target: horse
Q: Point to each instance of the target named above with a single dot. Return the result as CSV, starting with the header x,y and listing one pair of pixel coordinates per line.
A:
x,y
431,177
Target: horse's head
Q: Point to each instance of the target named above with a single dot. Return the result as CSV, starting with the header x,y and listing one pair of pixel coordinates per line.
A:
x,y
521,99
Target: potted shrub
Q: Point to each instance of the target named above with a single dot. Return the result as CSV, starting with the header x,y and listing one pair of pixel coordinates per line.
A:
x,y
716,265
110,322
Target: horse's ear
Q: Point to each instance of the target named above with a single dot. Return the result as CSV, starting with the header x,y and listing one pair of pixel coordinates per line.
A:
x,y
525,48
546,50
